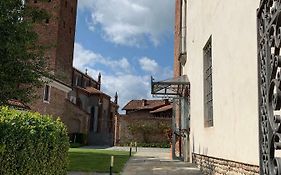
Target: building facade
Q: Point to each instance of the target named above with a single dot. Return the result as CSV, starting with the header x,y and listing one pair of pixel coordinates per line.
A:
x,y
221,64
145,122
73,96
57,33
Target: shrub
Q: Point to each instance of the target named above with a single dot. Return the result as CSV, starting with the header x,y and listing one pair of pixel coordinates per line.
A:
x,y
32,144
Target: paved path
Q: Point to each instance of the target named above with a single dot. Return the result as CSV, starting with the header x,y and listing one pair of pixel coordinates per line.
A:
x,y
155,161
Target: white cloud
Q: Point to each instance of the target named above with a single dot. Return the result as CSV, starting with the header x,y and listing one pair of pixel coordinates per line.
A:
x,y
130,22
84,58
128,86
149,65
119,79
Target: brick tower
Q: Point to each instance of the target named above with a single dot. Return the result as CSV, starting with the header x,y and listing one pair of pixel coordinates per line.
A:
x,y
57,33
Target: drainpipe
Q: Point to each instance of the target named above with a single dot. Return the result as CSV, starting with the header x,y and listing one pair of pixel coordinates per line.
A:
x,y
183,51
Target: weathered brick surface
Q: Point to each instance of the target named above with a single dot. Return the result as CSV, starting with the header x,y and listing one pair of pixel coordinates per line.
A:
x,y
54,107
58,36
126,136
75,119
215,166
177,38
65,44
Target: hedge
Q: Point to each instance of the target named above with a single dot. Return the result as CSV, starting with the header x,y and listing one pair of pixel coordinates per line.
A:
x,y
32,144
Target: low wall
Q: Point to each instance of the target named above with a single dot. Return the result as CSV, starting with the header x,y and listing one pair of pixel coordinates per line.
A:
x,y
216,166
143,130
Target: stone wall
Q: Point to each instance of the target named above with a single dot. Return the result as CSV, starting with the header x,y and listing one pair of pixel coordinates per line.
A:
x,y
216,166
125,134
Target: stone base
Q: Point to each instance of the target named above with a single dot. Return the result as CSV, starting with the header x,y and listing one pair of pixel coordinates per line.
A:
x,y
216,166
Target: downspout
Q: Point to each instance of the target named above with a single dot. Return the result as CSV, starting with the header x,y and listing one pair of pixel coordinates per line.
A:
x,y
180,68
183,30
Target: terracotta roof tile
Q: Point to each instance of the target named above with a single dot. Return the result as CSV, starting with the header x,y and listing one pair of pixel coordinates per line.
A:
x,y
144,104
92,90
163,109
18,104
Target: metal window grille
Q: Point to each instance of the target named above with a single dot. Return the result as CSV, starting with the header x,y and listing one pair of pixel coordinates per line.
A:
x,y
208,86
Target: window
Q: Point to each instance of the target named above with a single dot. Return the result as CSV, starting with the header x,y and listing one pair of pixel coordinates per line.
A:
x,y
208,86
63,24
49,0
65,3
47,21
35,1
76,80
46,93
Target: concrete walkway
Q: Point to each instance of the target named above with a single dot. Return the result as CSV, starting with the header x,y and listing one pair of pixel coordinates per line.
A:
x,y
155,161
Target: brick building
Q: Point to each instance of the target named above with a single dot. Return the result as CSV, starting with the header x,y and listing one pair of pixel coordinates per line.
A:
x,y
153,114
73,96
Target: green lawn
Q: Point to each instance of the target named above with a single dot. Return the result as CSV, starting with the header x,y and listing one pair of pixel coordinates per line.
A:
x,y
95,160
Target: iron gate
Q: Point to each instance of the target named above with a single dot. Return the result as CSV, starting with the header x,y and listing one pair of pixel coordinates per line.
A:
x,y
269,64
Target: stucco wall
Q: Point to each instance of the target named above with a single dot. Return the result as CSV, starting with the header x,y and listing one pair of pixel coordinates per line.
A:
x,y
232,25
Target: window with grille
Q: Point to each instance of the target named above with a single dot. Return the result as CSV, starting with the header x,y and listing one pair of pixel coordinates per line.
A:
x,y
208,85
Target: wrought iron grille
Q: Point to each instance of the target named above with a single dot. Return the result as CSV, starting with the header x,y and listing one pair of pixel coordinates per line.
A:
x,y
208,86
269,64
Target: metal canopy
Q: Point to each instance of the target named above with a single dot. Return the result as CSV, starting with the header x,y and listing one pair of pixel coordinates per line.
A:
x,y
171,87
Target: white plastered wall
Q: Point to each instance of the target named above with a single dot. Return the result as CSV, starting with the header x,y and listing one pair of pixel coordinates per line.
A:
x,y
232,25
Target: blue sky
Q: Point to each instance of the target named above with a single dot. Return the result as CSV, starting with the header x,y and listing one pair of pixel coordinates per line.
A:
x,y
127,41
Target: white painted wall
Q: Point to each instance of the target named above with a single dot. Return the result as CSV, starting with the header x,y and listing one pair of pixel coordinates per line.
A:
x,y
232,24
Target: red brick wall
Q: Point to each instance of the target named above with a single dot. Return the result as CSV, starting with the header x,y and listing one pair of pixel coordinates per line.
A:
x,y
48,32
58,35
60,106
177,38
126,136
54,107
74,116
66,34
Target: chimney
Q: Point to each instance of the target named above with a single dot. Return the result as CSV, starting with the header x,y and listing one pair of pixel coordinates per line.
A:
x,y
167,102
144,102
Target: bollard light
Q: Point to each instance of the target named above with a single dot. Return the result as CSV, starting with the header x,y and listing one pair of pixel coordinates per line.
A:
x,y
111,165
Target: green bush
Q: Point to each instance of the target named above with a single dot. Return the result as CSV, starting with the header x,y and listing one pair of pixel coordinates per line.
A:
x,y
32,144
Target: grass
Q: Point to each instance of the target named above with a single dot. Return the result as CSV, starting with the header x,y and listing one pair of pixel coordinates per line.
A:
x,y
95,160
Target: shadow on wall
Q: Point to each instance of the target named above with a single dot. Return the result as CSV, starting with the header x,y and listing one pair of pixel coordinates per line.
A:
x,y
202,160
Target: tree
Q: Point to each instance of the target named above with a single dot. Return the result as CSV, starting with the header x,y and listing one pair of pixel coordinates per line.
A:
x,y
22,62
